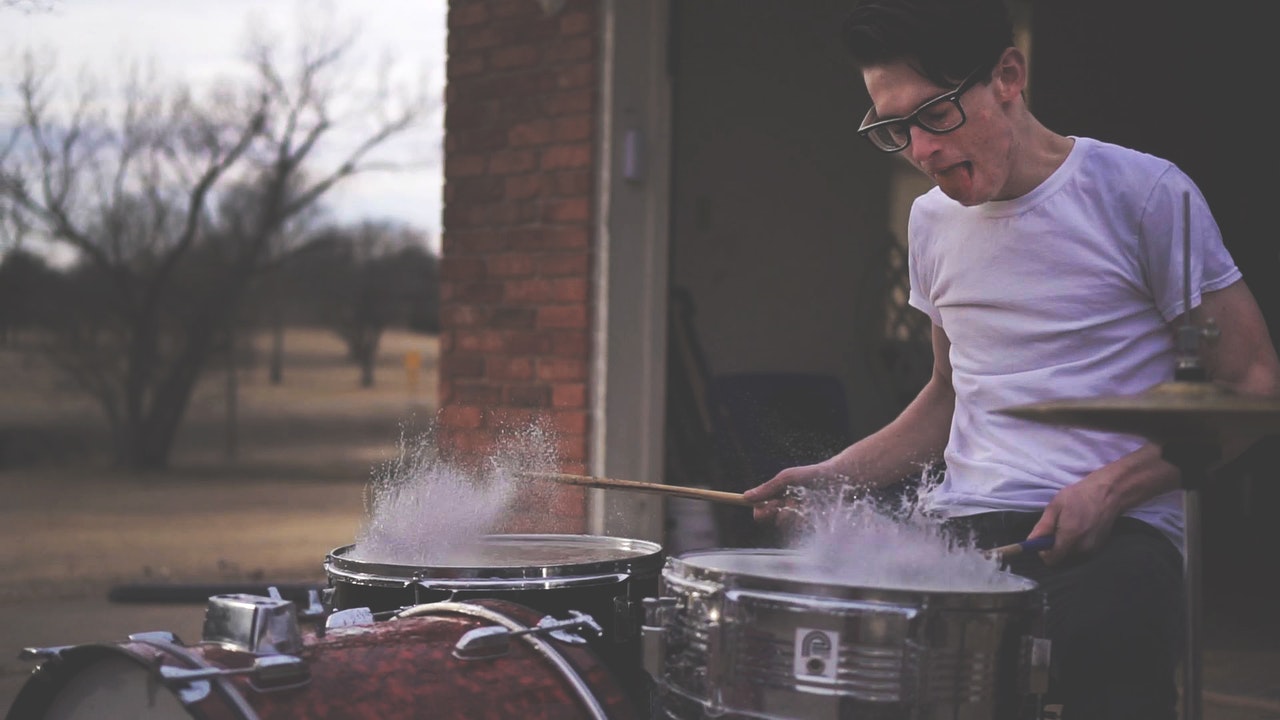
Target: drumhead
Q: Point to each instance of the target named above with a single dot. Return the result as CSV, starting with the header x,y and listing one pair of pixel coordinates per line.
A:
x,y
795,571
511,556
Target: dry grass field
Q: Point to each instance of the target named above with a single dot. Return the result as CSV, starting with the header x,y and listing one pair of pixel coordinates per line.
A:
x,y
73,528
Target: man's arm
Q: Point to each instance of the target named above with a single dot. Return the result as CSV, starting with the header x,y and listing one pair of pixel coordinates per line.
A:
x,y
913,440
1243,359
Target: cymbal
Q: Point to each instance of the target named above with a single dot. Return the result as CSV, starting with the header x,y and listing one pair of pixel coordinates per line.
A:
x,y
1177,410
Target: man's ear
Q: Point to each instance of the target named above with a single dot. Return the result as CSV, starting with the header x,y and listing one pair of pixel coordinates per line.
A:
x,y
1009,79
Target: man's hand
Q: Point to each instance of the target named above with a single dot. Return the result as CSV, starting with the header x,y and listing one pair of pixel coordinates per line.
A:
x,y
770,498
1080,518
1081,515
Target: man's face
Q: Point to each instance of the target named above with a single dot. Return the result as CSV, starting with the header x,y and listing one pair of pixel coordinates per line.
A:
x,y
971,163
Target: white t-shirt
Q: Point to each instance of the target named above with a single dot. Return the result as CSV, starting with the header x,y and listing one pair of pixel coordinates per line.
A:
x,y
1067,291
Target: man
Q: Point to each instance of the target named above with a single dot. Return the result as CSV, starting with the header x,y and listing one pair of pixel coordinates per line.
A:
x,y
1051,267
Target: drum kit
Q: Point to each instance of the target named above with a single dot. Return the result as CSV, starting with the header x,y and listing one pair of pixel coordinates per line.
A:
x,y
582,626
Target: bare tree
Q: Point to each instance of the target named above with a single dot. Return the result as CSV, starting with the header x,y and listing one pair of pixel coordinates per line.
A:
x,y
358,280
174,206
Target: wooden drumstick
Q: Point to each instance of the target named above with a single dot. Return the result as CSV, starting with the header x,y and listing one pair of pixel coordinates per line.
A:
x,y
719,496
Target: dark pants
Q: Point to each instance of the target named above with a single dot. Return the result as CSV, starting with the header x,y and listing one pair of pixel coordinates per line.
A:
x,y
1115,618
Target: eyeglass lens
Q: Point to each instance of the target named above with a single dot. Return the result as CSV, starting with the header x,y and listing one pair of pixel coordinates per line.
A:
x,y
942,115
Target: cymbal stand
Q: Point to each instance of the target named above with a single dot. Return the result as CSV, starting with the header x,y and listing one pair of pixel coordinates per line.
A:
x,y
1194,459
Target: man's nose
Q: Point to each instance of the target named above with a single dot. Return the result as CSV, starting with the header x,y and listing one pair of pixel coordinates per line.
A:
x,y
923,143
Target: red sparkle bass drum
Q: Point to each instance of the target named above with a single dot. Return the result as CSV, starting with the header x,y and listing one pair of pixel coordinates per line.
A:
x,y
416,665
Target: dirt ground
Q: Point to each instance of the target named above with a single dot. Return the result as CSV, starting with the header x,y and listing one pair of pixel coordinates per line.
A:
x,y
73,529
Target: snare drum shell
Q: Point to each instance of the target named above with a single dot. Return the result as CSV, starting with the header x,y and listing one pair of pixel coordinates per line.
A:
x,y
734,644
402,668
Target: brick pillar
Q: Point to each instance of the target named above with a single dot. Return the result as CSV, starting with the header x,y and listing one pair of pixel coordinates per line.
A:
x,y
517,242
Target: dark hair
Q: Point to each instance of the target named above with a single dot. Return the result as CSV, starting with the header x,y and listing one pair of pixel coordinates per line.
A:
x,y
944,40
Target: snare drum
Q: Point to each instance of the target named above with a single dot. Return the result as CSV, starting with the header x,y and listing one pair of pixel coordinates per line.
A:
x,y
755,633
605,577
401,668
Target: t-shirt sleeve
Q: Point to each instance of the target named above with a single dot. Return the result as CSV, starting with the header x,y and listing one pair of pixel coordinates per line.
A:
x,y
920,279
1164,239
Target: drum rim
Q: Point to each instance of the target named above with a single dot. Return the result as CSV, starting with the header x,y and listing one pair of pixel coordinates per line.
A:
x,y
684,567
647,558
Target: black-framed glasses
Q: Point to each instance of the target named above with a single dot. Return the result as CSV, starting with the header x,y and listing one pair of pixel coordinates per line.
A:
x,y
939,116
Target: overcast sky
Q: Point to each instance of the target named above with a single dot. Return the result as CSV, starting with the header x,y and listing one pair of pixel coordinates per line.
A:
x,y
195,41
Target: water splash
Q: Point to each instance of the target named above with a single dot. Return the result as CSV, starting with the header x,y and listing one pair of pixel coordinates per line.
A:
x,y
424,510
848,536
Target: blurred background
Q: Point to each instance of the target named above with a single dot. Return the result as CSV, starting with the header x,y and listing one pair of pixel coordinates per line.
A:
x,y
219,296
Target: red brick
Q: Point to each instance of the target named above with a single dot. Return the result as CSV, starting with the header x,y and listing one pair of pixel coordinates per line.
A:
x,y
569,343
570,422
458,166
517,318
477,139
567,210
571,183
532,290
529,395
523,187
509,368
567,238
478,341
463,66
562,369
517,56
461,315
569,50
578,264
474,393
462,366
562,316
477,292
534,132
462,269
462,14
499,418
479,38
570,289
472,113
508,9
573,127
475,189
512,162
470,242
510,265
575,468
461,416
569,395
529,343
576,76
576,23
560,157
572,448
569,103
